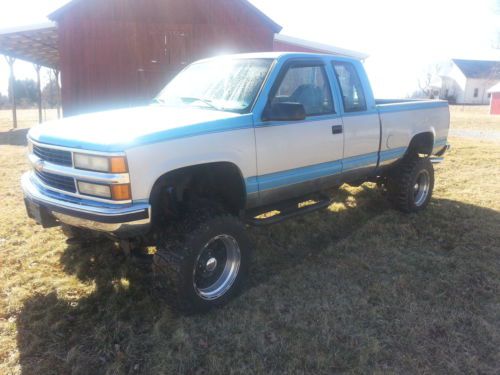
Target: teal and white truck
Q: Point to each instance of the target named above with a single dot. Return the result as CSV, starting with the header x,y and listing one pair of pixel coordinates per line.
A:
x,y
228,139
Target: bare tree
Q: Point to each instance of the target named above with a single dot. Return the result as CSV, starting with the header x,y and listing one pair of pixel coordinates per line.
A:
x,y
429,74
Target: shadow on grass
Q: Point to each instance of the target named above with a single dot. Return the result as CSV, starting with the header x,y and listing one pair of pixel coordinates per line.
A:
x,y
123,326
14,137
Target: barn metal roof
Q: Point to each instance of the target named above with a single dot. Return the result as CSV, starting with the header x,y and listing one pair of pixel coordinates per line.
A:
x,y
479,68
36,43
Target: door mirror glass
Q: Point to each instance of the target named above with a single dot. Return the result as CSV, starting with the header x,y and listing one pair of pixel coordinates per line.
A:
x,y
285,111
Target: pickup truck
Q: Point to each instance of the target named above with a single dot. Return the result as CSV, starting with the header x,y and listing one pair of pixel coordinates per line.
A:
x,y
225,142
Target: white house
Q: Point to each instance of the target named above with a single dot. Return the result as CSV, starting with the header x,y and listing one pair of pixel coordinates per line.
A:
x,y
468,81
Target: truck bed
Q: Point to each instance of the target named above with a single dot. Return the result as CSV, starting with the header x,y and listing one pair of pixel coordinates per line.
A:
x,y
402,119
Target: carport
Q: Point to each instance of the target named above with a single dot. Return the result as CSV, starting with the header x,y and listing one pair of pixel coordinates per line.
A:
x,y
37,44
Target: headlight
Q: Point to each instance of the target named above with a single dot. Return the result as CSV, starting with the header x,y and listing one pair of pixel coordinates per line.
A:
x,y
114,164
115,192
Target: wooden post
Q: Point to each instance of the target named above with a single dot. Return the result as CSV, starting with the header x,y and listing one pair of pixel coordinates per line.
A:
x,y
12,91
59,98
39,92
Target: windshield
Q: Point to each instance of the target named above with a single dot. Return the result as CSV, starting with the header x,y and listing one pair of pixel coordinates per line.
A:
x,y
224,84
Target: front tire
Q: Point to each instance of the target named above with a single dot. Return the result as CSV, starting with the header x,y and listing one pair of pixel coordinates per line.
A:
x,y
205,262
410,187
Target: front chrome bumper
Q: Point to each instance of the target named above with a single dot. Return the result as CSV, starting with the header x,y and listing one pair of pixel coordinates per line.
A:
x,y
121,220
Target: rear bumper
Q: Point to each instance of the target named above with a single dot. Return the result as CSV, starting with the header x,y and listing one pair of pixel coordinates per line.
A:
x,y
438,156
444,150
119,220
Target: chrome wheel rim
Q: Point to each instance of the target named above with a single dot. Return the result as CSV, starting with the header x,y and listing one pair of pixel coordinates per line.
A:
x,y
216,267
421,188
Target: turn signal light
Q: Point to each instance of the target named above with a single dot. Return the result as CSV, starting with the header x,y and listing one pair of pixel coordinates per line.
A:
x,y
118,164
121,192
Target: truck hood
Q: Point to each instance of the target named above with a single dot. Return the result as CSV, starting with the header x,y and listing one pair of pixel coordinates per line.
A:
x,y
119,130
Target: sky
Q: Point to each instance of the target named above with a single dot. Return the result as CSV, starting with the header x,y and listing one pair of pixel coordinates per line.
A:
x,y
402,37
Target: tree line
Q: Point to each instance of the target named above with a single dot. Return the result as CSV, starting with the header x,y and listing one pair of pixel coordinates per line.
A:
x,y
26,93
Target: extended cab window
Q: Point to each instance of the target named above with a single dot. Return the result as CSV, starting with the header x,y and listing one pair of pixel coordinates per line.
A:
x,y
307,85
353,95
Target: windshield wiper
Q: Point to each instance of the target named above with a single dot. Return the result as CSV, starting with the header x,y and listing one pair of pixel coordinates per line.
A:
x,y
208,102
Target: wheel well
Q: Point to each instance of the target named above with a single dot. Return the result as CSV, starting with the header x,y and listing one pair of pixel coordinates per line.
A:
x,y
220,182
422,143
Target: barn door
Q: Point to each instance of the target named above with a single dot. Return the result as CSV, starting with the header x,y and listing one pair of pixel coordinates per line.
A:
x,y
166,52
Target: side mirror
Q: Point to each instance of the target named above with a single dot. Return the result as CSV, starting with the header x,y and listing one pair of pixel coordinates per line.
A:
x,y
286,111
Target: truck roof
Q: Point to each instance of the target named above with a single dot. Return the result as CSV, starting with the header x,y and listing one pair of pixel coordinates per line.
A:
x,y
277,55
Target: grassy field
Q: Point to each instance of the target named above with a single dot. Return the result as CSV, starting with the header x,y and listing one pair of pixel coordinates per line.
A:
x,y
25,119
358,288
474,118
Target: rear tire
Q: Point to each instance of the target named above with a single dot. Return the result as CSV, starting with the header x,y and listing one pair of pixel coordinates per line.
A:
x,y
204,262
410,187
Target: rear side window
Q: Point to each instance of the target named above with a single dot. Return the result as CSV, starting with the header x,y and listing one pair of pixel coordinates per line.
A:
x,y
351,88
307,85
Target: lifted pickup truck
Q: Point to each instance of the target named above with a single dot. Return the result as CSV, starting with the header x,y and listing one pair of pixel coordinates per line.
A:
x,y
230,138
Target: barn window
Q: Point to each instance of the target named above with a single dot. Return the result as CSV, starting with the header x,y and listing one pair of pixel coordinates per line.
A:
x,y
476,93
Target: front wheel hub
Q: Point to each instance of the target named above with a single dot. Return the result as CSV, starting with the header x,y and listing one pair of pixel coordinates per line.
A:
x,y
217,267
211,264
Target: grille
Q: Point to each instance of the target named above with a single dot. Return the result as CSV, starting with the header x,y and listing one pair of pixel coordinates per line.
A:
x,y
57,182
51,155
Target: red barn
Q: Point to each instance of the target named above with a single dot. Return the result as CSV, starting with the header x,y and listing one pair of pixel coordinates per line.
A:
x,y
116,53
121,52
495,99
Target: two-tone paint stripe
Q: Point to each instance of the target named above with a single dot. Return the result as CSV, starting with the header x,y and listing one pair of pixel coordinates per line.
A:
x,y
362,161
392,154
297,175
411,106
316,171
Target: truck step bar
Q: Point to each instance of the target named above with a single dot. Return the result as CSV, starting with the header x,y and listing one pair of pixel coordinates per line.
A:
x,y
287,210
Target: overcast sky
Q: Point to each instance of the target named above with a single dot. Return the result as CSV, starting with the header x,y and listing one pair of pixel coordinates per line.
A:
x,y
402,37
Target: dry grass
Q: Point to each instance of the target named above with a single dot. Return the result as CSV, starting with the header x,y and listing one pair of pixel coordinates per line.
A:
x,y
474,118
25,119
358,289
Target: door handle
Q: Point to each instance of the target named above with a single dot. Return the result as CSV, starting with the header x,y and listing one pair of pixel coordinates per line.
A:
x,y
337,129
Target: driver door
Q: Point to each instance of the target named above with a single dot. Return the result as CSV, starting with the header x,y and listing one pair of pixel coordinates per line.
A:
x,y
295,158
